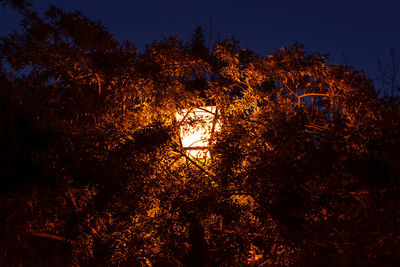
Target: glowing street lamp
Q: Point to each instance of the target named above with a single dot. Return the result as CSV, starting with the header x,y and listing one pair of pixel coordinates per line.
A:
x,y
197,128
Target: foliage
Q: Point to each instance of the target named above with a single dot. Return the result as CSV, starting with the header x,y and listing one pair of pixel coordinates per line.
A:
x,y
20,5
303,172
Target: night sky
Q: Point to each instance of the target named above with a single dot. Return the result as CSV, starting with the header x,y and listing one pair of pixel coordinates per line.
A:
x,y
361,30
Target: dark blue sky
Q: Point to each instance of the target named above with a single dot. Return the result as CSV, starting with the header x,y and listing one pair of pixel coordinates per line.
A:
x,y
363,30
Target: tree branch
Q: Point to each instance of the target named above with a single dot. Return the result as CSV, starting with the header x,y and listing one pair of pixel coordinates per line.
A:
x,y
51,236
312,94
98,82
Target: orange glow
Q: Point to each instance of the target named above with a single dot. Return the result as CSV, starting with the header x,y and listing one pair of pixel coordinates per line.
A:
x,y
197,127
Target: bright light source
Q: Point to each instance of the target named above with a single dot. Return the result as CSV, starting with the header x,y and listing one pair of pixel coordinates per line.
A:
x,y
197,127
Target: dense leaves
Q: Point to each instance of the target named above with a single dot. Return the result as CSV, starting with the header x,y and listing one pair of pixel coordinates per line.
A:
x,y
303,172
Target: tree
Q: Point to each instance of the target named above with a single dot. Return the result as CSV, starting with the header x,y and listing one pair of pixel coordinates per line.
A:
x,y
388,77
303,171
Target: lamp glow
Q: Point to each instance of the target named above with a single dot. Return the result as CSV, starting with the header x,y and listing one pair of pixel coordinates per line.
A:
x,y
197,127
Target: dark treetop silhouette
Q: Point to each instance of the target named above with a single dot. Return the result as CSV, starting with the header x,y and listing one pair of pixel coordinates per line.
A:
x,y
304,170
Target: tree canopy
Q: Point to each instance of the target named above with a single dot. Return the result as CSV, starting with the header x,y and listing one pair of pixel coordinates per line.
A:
x,y
304,170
